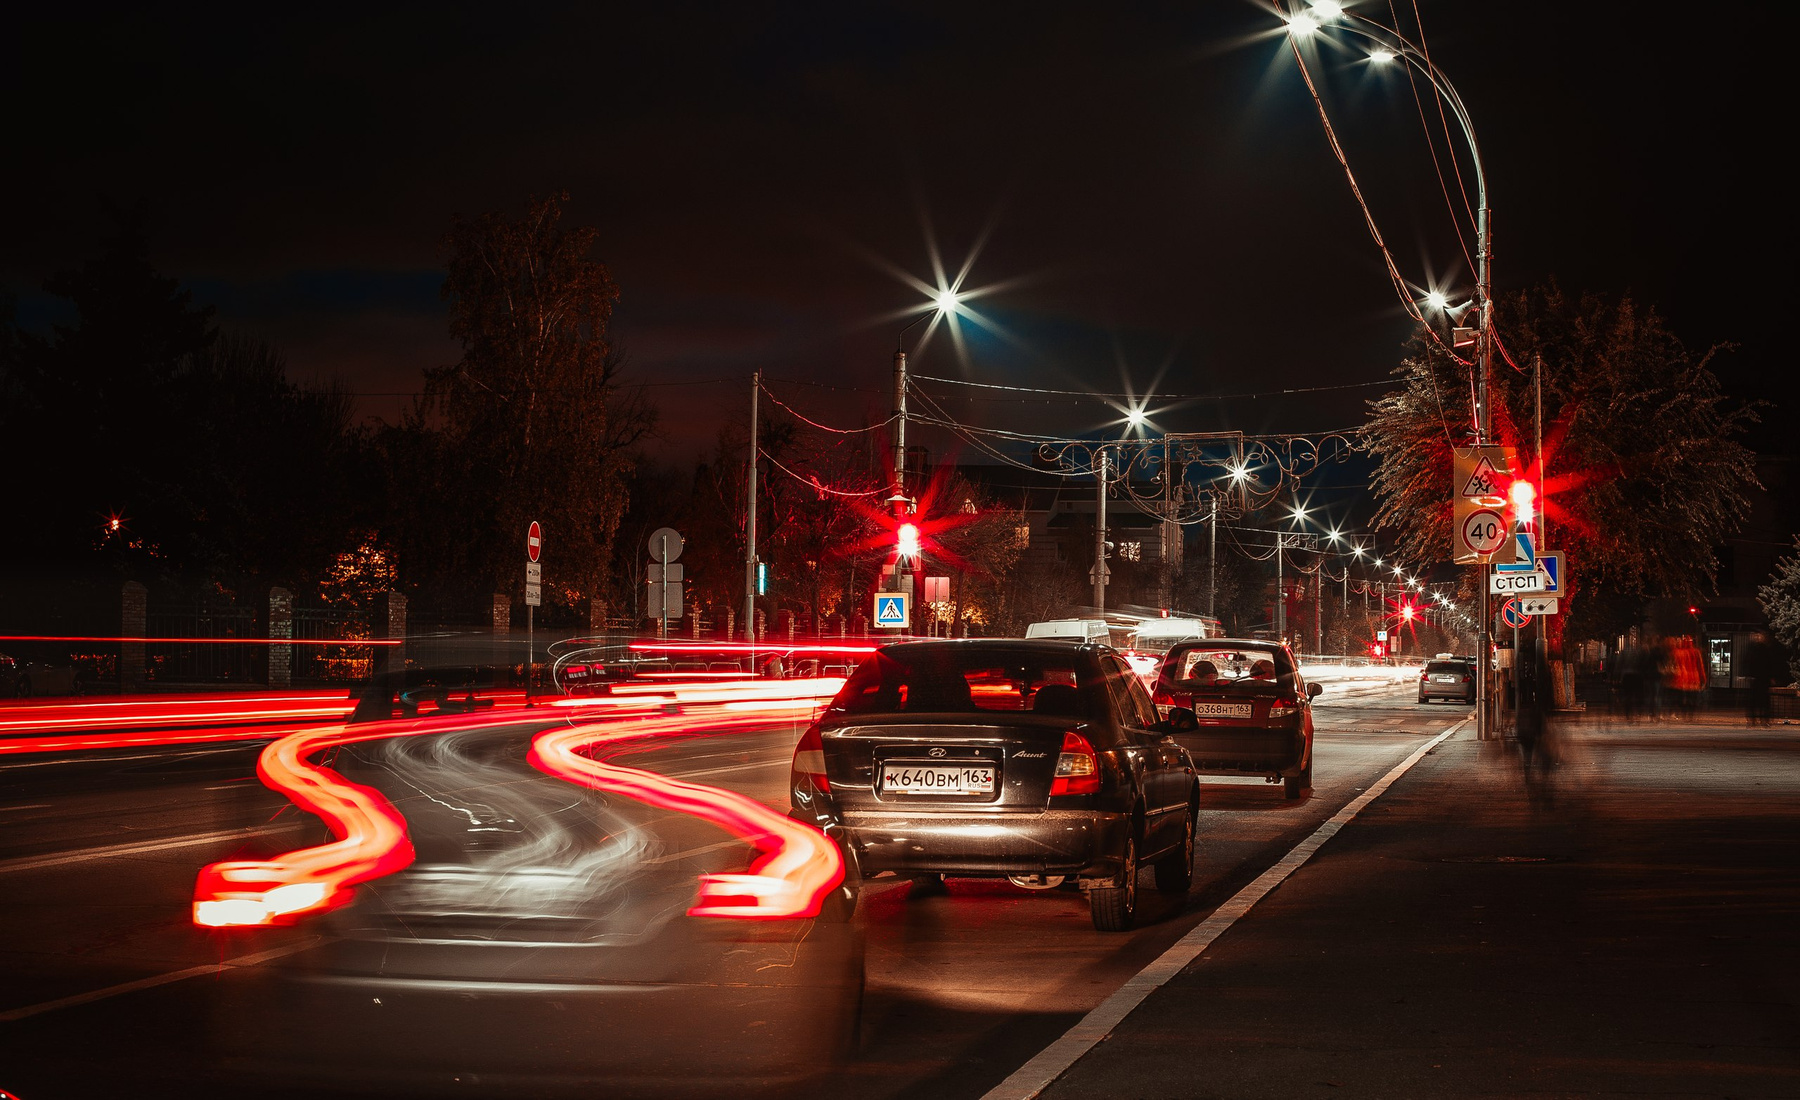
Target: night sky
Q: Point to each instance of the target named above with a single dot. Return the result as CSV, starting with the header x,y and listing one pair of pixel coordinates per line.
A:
x,y
1155,194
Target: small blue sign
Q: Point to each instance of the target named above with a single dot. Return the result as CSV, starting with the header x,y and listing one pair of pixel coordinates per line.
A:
x,y
1526,561
1550,565
890,609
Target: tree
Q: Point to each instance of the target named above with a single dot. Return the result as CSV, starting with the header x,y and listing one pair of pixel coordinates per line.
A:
x,y
530,424
1645,474
1780,600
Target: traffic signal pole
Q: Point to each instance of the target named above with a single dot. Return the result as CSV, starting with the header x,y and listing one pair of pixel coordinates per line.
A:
x,y
1100,536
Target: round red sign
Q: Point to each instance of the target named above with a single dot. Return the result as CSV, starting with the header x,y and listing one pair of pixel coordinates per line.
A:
x,y
534,540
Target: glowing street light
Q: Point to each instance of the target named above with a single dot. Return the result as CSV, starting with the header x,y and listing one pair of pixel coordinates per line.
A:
x,y
1302,25
1380,56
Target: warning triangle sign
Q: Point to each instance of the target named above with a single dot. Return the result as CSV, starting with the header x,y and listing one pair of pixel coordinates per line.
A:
x,y
1485,481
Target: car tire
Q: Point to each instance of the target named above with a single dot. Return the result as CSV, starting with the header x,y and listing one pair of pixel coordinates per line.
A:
x,y
1175,871
1114,908
1296,785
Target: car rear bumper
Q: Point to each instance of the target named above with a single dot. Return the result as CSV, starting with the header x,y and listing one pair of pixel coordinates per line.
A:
x,y
1447,691
1243,751
1057,842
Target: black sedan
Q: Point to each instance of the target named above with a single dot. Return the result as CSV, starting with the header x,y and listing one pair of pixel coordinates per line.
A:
x,y
1251,708
1030,760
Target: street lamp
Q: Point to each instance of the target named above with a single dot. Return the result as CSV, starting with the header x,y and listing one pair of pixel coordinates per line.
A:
x,y
943,303
1385,46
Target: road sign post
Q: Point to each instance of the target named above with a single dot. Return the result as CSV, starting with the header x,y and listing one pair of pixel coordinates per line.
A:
x,y
534,595
665,547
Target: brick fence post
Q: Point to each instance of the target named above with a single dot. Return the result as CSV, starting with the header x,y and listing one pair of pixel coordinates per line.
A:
x,y
730,624
502,627
391,622
281,625
597,617
762,624
134,621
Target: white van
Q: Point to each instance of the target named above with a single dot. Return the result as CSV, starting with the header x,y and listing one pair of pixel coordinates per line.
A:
x,y
1074,630
1158,636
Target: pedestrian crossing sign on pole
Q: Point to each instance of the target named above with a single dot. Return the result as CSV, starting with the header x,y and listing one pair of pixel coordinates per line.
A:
x,y
891,610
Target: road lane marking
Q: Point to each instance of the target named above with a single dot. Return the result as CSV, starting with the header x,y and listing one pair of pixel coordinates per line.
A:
x,y
113,851
153,981
1036,1075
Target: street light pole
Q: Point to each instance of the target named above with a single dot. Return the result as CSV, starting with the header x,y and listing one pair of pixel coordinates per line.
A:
x,y
750,520
1390,44
1100,535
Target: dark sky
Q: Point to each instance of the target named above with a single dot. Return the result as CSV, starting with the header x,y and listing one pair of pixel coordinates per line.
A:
x,y
1156,193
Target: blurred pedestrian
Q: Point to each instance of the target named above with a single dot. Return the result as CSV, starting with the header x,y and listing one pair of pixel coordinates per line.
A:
x,y
1628,672
1532,723
1759,668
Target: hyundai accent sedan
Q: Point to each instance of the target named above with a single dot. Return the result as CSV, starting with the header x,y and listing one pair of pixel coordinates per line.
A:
x,y
1252,710
1036,761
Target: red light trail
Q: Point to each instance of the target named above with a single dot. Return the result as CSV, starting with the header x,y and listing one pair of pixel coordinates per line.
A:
x,y
796,868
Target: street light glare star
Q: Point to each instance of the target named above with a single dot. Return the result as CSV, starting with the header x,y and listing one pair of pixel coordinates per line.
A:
x,y
1327,10
1135,417
947,300
1436,300
1380,56
1302,25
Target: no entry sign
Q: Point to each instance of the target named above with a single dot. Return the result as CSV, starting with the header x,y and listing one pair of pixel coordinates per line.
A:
x,y
534,541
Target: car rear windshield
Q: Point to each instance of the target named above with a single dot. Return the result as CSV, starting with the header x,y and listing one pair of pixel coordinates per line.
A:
x,y
1246,667
1446,666
971,680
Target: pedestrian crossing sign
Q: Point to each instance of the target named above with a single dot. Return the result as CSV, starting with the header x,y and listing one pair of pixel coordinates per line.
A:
x,y
890,610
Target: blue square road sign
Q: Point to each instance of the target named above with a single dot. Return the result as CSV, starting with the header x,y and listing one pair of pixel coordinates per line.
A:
x,y
890,609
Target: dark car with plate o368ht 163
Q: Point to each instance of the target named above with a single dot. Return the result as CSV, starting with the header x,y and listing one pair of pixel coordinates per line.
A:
x,y
1251,708
1035,761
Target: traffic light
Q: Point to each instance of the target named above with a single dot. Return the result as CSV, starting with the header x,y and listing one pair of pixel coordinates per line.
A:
x,y
762,578
1523,495
1407,612
906,541
1377,650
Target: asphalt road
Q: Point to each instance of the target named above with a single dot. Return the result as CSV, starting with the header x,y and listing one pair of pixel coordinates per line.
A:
x,y
103,979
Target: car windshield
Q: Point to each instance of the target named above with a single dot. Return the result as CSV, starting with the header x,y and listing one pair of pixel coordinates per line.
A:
x,y
971,679
1446,666
1230,667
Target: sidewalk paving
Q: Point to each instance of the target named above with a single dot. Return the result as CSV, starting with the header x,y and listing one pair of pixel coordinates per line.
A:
x,y
1636,936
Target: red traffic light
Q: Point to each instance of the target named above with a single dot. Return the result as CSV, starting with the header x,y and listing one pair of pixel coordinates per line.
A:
x,y
1523,495
1407,612
906,541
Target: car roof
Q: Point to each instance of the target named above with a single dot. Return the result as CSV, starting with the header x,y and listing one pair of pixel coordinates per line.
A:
x,y
998,645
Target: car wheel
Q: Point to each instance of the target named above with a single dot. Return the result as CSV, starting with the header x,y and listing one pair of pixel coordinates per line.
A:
x,y
1296,785
1175,871
1114,908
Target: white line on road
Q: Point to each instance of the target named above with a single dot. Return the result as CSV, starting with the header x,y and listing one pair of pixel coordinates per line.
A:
x,y
113,851
152,982
1054,1060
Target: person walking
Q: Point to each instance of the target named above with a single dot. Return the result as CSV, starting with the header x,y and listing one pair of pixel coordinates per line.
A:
x,y
1759,667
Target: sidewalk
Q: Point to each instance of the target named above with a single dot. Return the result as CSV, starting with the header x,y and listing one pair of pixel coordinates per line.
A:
x,y
1636,937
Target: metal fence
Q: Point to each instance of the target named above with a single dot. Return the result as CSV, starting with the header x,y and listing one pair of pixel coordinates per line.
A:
x,y
331,663
203,662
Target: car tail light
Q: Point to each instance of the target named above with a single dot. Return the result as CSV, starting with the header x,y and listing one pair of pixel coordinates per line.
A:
x,y
809,759
1465,678
1164,699
1077,768
1283,708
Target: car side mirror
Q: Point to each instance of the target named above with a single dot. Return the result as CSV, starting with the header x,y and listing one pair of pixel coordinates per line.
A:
x,y
1180,720
1313,690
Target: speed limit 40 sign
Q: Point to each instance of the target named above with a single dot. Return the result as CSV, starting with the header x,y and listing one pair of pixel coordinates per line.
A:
x,y
1481,532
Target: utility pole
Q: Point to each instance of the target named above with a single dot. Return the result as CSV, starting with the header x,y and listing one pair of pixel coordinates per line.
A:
x,y
750,518
1100,535
1280,590
1319,607
1212,562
